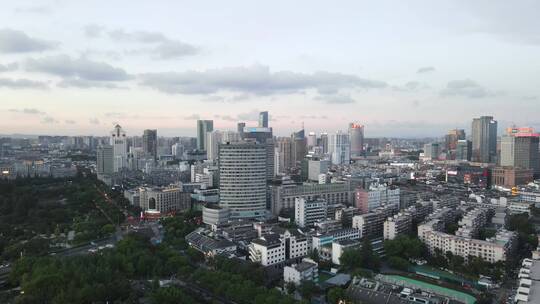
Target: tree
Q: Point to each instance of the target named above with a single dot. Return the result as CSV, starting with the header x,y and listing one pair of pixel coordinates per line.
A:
x,y
307,289
335,294
398,263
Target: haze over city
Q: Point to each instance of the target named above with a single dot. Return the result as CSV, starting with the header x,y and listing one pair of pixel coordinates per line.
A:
x,y
403,69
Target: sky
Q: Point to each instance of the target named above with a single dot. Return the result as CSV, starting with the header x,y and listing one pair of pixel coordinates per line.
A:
x,y
401,68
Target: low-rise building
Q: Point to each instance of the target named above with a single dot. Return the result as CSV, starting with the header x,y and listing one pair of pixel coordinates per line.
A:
x,y
307,270
400,223
277,248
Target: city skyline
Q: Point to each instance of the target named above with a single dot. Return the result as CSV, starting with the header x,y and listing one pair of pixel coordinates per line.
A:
x,y
85,72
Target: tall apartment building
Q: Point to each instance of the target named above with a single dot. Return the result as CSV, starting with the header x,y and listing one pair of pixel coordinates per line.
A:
x,y
464,150
150,143
213,139
105,160
307,212
484,139
203,127
339,147
375,196
283,154
521,151
432,151
263,119
451,139
120,148
356,135
242,179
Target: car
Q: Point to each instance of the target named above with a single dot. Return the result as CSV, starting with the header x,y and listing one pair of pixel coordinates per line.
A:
x,y
109,246
92,250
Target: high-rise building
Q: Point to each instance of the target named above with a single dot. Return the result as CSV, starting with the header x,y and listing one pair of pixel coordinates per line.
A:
x,y
463,149
451,139
521,150
213,139
150,141
203,127
105,164
263,119
484,139
240,128
177,150
283,154
356,136
432,151
311,140
242,179
323,142
340,148
119,143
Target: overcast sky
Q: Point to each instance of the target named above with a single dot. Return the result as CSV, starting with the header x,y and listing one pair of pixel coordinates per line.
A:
x,y
402,68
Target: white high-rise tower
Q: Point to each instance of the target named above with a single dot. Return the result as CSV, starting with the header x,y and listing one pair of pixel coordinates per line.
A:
x,y
119,144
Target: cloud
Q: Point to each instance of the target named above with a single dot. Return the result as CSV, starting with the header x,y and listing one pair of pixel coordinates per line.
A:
x,y
22,84
466,88
70,122
255,79
13,41
30,111
313,117
79,72
93,30
49,120
174,49
9,67
427,69
94,121
529,97
39,9
192,117
165,48
86,84
336,99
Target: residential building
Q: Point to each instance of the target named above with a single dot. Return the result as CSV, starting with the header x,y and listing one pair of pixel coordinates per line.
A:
x,y
307,270
398,224
356,135
375,196
242,179
203,127
307,212
150,143
278,248
118,141
339,148
484,139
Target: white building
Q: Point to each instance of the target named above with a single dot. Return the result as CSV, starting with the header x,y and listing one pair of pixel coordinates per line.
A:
x,y
213,139
340,148
400,223
275,248
339,247
242,179
215,216
491,250
307,270
307,212
119,144
316,168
